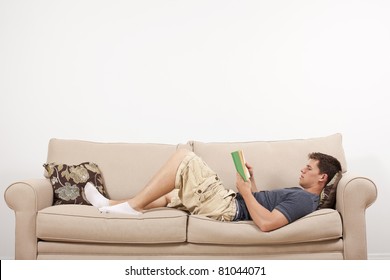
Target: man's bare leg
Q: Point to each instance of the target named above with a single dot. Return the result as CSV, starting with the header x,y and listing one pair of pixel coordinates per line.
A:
x,y
160,202
161,184
99,201
154,194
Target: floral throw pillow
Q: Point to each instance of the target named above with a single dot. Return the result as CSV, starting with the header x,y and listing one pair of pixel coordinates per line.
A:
x,y
328,194
68,181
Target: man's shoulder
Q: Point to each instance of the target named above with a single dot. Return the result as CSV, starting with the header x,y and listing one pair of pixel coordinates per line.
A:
x,y
293,190
298,191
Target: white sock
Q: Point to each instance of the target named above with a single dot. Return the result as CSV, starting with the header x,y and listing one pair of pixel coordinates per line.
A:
x,y
94,196
123,208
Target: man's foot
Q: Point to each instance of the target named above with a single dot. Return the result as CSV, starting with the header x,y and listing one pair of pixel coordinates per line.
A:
x,y
94,196
123,208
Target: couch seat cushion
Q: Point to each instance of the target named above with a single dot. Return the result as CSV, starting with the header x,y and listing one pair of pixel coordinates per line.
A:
x,y
321,225
83,223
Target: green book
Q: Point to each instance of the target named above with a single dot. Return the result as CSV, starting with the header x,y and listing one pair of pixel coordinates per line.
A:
x,y
239,162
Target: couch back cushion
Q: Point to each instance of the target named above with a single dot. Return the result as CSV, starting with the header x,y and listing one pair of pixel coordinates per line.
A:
x,y
276,163
125,167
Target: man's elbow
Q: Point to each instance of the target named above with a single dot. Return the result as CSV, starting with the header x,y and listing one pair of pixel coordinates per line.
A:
x,y
267,226
271,222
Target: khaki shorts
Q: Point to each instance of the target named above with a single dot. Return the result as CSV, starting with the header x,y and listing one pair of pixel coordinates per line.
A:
x,y
200,191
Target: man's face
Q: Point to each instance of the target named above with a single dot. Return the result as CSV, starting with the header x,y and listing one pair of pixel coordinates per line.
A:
x,y
310,174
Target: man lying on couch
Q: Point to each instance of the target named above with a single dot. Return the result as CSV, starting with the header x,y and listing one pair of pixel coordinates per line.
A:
x,y
201,192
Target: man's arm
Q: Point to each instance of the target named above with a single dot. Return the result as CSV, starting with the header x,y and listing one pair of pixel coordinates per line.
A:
x,y
262,217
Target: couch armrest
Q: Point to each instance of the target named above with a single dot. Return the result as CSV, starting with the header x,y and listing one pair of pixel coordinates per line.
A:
x,y
354,195
26,198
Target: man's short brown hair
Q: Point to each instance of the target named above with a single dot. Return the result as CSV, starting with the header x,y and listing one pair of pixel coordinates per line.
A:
x,y
327,164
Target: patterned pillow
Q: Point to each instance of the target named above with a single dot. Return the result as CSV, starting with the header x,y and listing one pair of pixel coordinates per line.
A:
x,y
68,181
328,194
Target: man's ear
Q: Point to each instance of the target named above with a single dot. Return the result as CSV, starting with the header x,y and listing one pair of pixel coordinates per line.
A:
x,y
324,177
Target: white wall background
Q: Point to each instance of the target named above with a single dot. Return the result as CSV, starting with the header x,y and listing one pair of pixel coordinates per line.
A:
x,y
171,71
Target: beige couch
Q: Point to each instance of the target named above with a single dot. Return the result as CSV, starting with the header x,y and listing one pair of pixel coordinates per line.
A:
x,y
44,231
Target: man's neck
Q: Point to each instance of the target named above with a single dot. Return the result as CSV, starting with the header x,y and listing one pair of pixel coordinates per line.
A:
x,y
315,189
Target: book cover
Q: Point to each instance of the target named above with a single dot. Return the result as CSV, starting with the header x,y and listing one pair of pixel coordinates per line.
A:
x,y
239,162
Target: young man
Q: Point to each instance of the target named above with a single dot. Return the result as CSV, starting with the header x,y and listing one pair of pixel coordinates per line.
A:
x,y
201,192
